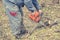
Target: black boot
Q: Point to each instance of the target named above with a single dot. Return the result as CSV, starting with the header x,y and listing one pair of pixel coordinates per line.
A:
x,y
22,32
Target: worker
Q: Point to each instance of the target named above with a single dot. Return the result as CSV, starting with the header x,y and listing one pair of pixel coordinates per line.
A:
x,y
15,14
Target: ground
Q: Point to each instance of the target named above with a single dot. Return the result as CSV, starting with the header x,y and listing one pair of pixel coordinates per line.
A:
x,y
53,33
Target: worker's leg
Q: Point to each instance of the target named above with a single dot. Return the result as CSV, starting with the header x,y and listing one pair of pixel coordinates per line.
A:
x,y
15,17
36,4
29,5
